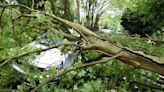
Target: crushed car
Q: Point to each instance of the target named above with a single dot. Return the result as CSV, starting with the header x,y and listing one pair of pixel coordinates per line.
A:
x,y
50,58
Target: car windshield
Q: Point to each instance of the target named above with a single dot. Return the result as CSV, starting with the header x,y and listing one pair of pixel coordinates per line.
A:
x,y
43,39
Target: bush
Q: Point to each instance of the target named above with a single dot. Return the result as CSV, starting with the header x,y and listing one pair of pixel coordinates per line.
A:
x,y
135,25
144,18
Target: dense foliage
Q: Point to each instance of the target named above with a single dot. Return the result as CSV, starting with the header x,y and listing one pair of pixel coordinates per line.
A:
x,y
143,17
16,32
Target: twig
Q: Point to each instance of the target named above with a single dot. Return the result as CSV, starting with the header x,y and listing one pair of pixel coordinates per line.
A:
x,y
72,69
99,57
23,15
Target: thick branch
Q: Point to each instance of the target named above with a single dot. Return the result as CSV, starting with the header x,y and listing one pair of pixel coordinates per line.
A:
x,y
131,57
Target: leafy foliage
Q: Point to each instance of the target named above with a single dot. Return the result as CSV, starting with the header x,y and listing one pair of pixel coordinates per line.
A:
x,y
141,16
16,33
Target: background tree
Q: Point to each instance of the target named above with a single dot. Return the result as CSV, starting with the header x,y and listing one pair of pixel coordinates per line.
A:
x,y
78,10
144,17
94,10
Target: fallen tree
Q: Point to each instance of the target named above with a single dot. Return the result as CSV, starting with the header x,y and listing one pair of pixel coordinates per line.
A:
x,y
136,58
91,41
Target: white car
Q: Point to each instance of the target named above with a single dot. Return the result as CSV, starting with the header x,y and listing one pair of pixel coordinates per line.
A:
x,y
49,58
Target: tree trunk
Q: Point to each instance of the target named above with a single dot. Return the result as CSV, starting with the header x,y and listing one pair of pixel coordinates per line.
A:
x,y
96,23
92,18
88,16
66,10
78,11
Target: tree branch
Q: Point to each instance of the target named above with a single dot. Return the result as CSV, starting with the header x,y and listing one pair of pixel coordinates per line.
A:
x,y
10,58
24,15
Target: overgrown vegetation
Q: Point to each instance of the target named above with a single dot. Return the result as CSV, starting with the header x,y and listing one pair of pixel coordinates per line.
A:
x,y
19,29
